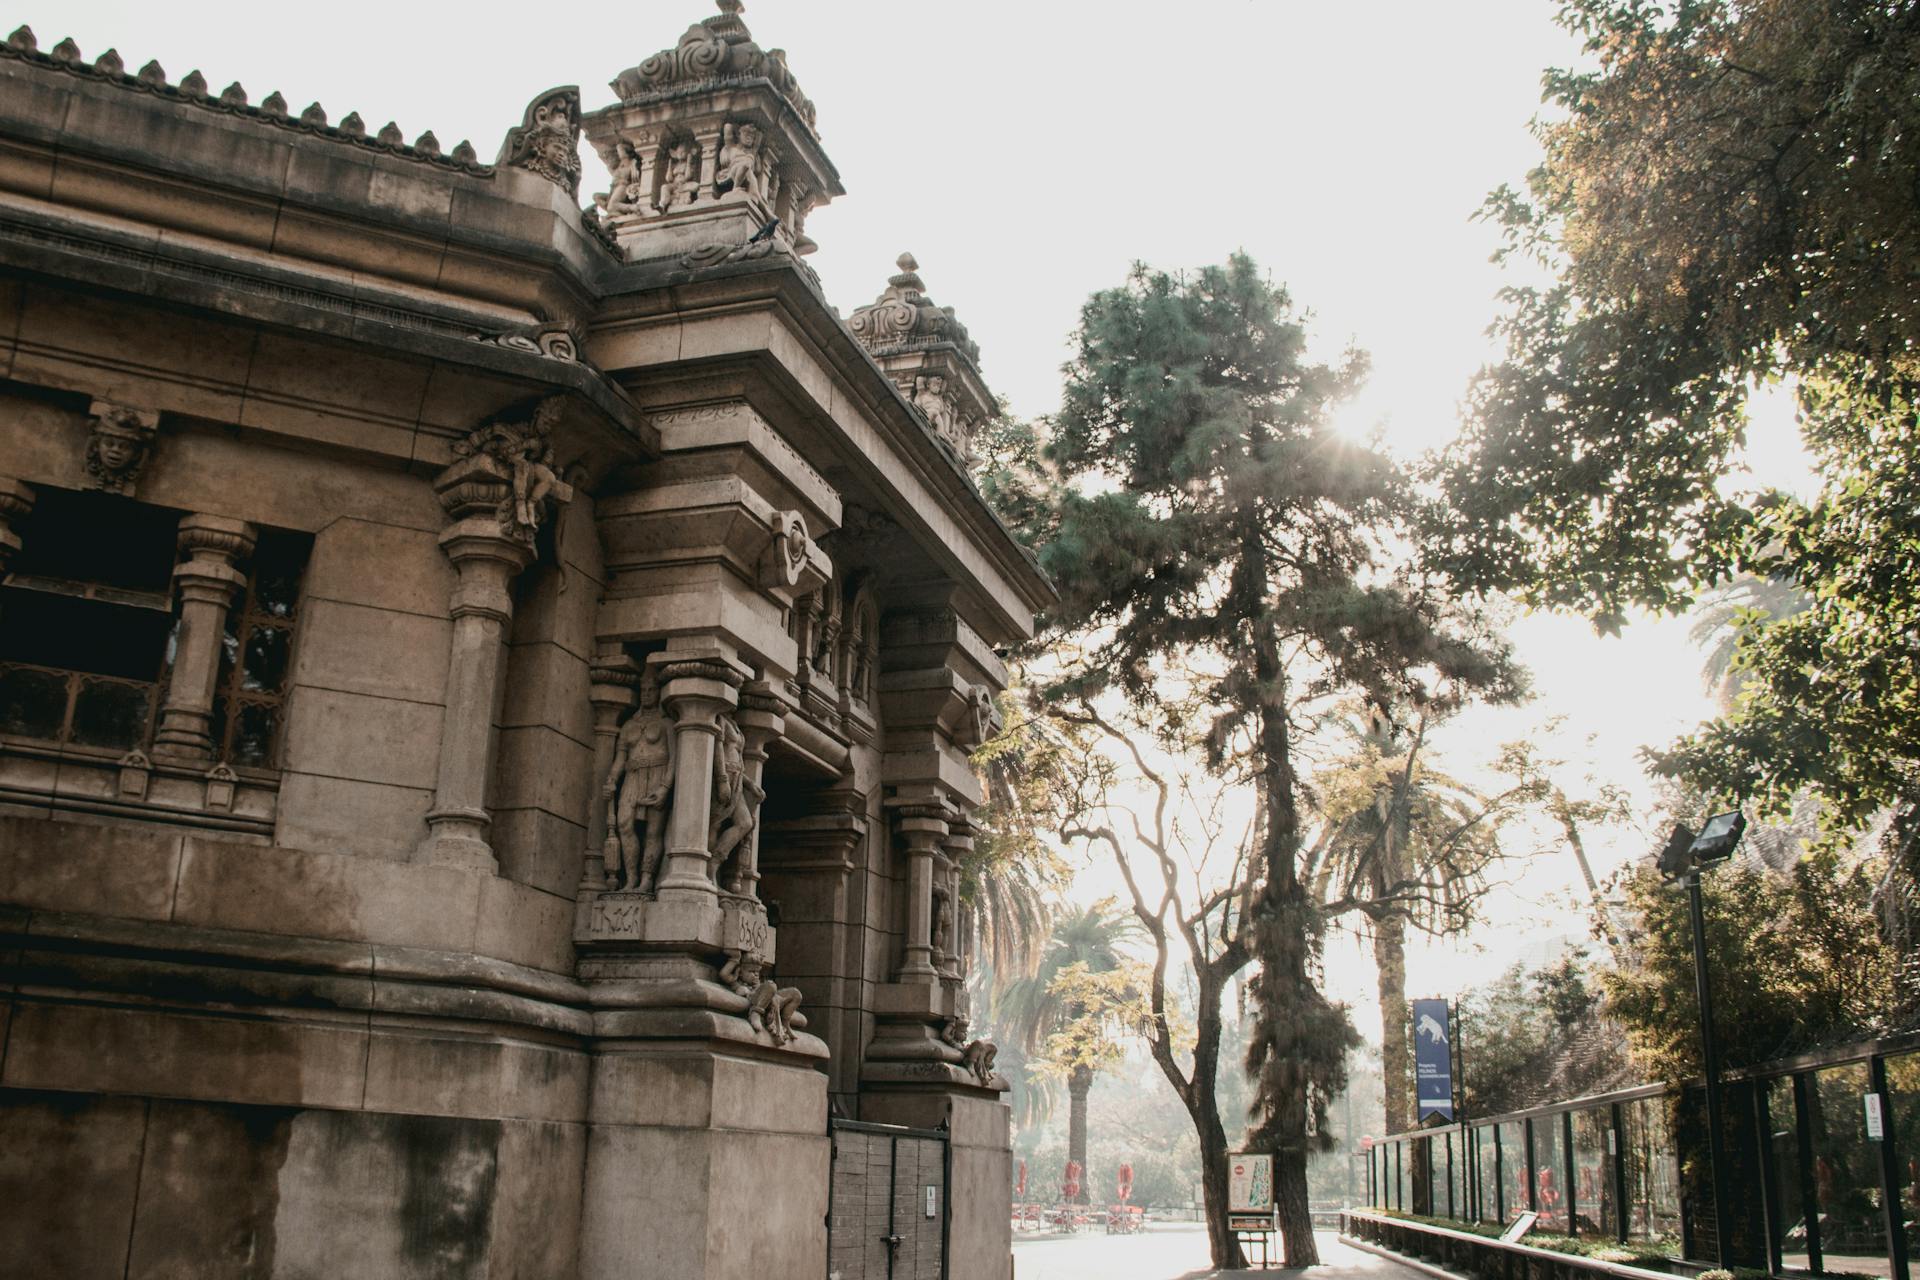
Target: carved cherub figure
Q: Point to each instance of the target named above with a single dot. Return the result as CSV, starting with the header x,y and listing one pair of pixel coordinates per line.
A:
x,y
637,788
740,160
954,1032
119,445
736,808
534,478
942,926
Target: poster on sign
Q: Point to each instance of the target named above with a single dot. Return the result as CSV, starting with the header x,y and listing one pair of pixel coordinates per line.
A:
x,y
1433,1058
1249,1183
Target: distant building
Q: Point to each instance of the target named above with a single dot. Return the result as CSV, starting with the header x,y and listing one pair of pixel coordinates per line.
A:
x,y
485,696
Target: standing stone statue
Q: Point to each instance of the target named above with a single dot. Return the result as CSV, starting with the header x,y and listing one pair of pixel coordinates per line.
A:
x,y
637,789
736,808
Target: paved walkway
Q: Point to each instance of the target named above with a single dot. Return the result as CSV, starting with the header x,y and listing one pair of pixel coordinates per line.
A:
x,y
1177,1252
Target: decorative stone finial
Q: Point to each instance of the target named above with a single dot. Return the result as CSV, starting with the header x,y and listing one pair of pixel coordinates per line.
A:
x,y
275,105
153,74
463,152
547,139
353,126
66,51
110,64
426,144
926,351
315,115
234,95
194,85
390,135
22,40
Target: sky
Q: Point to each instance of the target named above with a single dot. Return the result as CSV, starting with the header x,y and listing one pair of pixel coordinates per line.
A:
x,y
1027,153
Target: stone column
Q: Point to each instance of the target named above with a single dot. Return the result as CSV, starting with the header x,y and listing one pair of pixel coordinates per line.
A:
x,y
709,141
487,553
208,579
16,503
614,677
762,719
696,692
921,828
958,845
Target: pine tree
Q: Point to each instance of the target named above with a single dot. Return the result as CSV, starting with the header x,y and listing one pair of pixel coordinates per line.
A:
x,y
1211,518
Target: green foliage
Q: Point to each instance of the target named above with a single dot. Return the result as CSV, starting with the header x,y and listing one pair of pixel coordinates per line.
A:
x,y
1013,879
1522,1038
1730,194
1797,962
1104,1011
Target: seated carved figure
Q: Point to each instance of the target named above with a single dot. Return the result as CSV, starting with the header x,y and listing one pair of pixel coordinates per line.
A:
x,y
625,195
740,160
770,1006
979,1056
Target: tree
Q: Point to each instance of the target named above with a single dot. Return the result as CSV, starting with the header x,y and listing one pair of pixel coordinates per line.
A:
x,y
1102,1010
1190,883
1405,846
1536,1036
1797,963
1210,516
1727,197
1033,1010
1011,883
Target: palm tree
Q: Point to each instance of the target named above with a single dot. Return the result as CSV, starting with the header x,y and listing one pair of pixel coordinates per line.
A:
x,y
1725,612
1029,1009
1011,883
1405,846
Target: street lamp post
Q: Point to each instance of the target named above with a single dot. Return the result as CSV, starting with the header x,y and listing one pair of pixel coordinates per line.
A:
x,y
1688,855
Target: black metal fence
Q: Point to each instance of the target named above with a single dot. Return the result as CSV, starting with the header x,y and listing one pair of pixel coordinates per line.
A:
x,y
1823,1156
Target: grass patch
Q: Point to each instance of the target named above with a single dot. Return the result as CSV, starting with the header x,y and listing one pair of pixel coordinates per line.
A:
x,y
1647,1254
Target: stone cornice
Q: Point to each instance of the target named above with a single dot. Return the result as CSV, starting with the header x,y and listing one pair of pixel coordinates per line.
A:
x,y
22,46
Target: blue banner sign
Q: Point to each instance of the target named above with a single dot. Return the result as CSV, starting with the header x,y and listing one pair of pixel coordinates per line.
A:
x,y
1432,1059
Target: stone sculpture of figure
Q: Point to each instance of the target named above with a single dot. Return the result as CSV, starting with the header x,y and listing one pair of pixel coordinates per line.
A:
x,y
770,1006
942,926
978,1057
736,808
637,789
930,396
121,442
954,1032
740,160
625,195
533,479
682,185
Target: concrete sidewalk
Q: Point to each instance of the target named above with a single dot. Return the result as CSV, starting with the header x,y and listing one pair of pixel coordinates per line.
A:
x,y
1180,1253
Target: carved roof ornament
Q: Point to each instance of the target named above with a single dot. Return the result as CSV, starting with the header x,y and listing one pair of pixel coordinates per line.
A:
x,y
547,139
119,444
714,51
903,316
927,352
711,151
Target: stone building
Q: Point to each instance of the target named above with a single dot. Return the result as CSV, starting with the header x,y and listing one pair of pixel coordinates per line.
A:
x,y
486,686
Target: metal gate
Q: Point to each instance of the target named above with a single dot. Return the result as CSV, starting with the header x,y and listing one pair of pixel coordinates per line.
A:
x,y
887,1203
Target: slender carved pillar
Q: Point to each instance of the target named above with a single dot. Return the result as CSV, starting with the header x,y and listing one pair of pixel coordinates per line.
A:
x,y
696,692
921,828
958,845
208,579
488,548
709,140
762,719
16,503
614,677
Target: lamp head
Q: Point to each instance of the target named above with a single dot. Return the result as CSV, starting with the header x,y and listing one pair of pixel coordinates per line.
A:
x,y
1676,859
1719,837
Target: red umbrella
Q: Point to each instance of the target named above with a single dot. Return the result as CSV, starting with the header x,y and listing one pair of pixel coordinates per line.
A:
x,y
1072,1187
1020,1188
1126,1182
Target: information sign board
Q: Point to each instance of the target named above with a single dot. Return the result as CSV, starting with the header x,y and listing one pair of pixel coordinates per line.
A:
x,y
1249,1182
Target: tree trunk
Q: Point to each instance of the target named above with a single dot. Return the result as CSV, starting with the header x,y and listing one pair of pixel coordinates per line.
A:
x,y
1221,1242
1396,1065
1077,1086
1286,965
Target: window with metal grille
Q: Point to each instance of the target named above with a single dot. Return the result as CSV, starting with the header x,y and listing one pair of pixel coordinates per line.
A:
x,y
256,654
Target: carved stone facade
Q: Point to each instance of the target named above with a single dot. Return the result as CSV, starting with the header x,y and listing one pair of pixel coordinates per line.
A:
x,y
468,769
